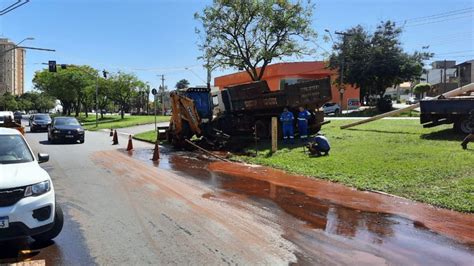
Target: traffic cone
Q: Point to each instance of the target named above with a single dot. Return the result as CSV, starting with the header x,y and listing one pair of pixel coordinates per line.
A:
x,y
156,152
111,132
115,139
130,144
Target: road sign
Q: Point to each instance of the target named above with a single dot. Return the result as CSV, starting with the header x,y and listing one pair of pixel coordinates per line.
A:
x,y
154,91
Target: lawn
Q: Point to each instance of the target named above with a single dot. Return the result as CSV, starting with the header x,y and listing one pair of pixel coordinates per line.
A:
x,y
395,156
115,121
148,136
374,111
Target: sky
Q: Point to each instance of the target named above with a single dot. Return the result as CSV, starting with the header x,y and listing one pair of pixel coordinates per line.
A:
x,y
155,37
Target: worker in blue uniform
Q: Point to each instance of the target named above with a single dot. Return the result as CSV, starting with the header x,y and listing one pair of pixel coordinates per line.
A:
x,y
286,119
303,117
319,145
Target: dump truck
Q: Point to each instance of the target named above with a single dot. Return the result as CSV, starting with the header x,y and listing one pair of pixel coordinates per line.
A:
x,y
241,110
441,110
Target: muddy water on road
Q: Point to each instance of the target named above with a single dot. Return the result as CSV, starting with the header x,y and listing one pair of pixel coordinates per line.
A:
x,y
330,223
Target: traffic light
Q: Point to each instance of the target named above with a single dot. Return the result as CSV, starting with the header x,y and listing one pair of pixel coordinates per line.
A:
x,y
104,73
52,66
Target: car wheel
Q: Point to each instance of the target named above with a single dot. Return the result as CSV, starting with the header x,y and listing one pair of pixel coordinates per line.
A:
x,y
81,141
336,111
55,230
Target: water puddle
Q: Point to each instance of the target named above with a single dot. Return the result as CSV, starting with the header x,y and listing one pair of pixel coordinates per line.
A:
x,y
325,218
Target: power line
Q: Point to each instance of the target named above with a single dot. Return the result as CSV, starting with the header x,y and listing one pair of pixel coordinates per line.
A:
x,y
13,6
439,15
438,21
456,52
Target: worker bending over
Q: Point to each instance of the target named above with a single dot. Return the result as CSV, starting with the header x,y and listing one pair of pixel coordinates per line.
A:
x,y
319,145
286,119
303,117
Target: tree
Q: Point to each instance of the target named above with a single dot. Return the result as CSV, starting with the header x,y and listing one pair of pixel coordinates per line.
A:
x,y
38,101
422,88
182,84
374,62
124,88
8,102
67,85
249,34
104,94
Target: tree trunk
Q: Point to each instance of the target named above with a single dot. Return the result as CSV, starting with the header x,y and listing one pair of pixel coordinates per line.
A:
x,y
122,112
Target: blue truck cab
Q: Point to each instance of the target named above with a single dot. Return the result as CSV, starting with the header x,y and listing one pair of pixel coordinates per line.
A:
x,y
202,101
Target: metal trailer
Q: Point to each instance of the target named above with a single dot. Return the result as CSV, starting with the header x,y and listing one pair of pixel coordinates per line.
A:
x,y
455,111
251,105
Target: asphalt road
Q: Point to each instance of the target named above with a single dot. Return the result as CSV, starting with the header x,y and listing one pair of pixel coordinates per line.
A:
x,y
123,209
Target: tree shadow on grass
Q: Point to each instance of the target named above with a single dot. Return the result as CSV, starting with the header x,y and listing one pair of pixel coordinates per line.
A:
x,y
383,131
445,134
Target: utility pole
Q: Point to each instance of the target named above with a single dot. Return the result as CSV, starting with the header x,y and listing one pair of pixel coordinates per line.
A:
x,y
445,68
341,78
162,94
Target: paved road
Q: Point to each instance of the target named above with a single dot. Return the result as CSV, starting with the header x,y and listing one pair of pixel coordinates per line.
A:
x,y
122,209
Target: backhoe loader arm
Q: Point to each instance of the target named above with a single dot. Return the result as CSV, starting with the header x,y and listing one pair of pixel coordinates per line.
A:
x,y
183,108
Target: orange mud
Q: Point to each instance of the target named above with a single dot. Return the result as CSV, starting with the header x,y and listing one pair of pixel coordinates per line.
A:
x,y
456,225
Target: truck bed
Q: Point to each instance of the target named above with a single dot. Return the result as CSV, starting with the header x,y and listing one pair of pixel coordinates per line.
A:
x,y
438,109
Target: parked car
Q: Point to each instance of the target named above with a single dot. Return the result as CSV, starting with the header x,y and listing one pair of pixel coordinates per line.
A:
x,y
412,100
17,116
65,129
39,122
27,201
4,114
331,108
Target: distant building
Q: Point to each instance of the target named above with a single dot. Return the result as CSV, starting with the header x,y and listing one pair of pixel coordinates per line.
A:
x,y
465,73
12,62
400,92
442,77
281,74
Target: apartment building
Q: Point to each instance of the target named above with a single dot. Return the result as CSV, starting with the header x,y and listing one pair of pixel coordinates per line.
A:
x,y
12,64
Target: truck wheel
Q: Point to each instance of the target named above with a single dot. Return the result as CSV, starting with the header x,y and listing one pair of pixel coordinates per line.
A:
x,y
464,125
55,230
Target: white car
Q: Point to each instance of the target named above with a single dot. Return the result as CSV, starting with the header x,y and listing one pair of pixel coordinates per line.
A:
x,y
27,202
331,108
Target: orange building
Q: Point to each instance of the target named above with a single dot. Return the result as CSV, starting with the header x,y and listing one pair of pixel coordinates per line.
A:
x,y
279,74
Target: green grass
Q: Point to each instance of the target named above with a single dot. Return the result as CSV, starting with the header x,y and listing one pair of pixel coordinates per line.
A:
x,y
115,121
395,156
148,136
374,111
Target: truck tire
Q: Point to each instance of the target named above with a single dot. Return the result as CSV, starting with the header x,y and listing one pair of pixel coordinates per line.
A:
x,y
464,125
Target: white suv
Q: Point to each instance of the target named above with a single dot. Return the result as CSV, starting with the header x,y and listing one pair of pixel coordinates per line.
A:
x,y
27,200
331,108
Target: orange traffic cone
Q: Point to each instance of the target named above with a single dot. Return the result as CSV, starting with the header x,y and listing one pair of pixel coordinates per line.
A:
x,y
111,132
115,139
130,144
156,152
